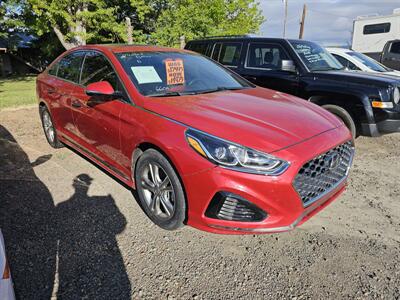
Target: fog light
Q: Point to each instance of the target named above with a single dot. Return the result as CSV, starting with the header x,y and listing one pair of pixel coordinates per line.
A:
x,y
231,207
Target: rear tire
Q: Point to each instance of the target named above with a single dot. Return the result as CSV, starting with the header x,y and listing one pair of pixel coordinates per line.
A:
x,y
160,190
49,128
343,114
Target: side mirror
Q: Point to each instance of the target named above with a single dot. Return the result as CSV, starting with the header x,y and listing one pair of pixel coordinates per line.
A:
x,y
288,66
100,88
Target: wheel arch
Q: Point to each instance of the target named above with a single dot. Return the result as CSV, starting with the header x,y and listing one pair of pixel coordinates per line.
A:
x,y
137,153
357,106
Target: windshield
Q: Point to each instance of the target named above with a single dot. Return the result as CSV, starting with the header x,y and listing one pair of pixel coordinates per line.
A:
x,y
315,57
161,74
367,61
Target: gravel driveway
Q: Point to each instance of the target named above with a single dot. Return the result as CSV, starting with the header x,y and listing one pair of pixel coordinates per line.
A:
x,y
73,232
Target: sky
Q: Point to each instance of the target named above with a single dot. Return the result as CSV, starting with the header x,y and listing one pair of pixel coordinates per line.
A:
x,y
329,22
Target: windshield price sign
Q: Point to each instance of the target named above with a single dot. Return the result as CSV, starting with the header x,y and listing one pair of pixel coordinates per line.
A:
x,y
175,72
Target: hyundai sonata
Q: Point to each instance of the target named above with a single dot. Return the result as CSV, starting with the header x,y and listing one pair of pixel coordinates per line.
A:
x,y
201,145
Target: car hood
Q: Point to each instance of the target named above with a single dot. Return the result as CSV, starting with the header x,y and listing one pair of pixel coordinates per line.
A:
x,y
257,118
359,77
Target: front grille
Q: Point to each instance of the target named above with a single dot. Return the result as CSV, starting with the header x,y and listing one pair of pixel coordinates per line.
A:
x,y
323,173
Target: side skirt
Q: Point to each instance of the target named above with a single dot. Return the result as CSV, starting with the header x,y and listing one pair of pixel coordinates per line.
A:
x,y
97,160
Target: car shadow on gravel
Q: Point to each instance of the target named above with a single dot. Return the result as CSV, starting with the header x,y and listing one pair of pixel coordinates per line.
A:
x,y
69,250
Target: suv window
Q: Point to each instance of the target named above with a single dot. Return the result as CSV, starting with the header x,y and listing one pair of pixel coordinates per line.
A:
x,y
265,56
199,48
230,54
69,66
345,62
97,68
395,48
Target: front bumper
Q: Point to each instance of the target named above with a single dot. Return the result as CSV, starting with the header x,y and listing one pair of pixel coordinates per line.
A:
x,y
273,194
386,121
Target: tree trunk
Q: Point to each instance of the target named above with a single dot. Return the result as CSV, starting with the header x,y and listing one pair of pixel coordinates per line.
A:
x,y
61,37
78,31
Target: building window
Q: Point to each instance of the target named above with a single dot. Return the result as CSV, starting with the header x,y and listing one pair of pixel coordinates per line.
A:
x,y
377,28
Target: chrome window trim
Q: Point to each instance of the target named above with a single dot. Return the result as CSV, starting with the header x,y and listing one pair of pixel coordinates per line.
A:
x,y
213,49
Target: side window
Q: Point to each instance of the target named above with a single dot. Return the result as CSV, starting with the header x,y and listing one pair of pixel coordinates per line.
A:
x,y
265,56
199,48
215,53
346,63
395,48
97,68
53,69
230,54
343,61
377,28
69,66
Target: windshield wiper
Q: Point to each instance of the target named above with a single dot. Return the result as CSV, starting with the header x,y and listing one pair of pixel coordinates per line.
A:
x,y
167,94
220,88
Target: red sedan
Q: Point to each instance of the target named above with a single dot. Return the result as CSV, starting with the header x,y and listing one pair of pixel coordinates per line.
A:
x,y
201,145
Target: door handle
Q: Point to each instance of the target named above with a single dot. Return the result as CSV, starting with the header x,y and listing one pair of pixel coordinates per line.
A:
x,y
76,104
251,78
51,91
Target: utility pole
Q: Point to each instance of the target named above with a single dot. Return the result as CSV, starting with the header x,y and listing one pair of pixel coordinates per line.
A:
x,y
285,2
303,18
182,42
129,30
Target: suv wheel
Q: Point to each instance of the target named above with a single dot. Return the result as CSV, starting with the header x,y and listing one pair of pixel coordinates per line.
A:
x,y
160,190
342,114
49,128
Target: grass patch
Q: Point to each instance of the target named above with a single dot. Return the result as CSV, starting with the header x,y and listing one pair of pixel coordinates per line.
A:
x,y
17,91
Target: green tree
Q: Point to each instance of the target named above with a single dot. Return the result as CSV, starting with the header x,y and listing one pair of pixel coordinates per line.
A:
x,y
196,19
77,22
11,22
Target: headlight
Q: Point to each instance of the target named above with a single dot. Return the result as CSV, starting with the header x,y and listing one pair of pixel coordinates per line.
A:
x,y
396,96
234,156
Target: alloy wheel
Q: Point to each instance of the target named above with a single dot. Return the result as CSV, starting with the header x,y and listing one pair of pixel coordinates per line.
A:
x,y
158,191
48,126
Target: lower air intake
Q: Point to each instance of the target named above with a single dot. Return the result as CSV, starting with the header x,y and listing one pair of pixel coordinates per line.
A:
x,y
230,207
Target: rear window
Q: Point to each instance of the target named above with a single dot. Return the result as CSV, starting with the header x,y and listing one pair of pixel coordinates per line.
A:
x,y
199,47
377,28
395,48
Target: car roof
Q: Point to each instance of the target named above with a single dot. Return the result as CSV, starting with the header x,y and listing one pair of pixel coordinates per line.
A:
x,y
120,48
341,50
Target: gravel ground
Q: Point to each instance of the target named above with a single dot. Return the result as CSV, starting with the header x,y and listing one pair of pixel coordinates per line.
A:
x,y
72,232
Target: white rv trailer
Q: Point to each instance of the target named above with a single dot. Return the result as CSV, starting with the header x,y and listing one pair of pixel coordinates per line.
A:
x,y
370,33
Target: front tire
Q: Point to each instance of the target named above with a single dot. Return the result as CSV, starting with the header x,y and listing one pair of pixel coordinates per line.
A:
x,y
49,128
160,190
342,114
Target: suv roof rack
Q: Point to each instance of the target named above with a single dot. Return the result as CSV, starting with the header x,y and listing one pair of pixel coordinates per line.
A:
x,y
228,36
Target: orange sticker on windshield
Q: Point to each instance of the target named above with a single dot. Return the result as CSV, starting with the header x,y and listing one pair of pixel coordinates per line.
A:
x,y
175,71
